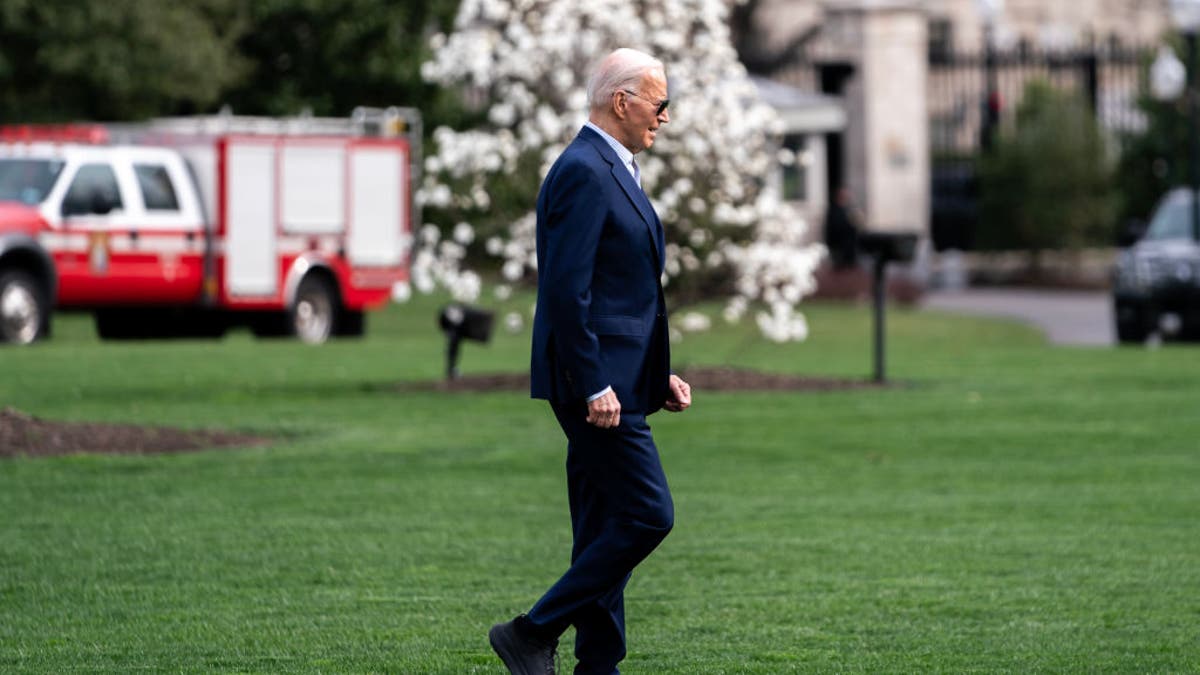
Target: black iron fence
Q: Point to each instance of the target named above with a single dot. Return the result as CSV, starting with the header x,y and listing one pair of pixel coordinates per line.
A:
x,y
972,95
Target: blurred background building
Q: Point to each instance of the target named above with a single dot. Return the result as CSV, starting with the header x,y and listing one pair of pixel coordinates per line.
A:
x,y
926,85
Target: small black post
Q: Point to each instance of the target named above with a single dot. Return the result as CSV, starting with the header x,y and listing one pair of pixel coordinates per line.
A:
x,y
453,337
880,297
884,247
460,322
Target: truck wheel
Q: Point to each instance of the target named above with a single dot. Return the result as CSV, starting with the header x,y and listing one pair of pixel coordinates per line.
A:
x,y
311,317
158,324
24,308
114,324
351,324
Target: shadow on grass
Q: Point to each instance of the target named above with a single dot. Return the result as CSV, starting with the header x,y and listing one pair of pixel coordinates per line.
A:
x,y
706,379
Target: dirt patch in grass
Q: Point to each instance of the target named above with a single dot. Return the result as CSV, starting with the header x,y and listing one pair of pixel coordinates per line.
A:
x,y
22,434
701,379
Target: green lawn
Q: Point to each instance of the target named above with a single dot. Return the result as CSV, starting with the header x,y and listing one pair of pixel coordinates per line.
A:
x,y
1007,507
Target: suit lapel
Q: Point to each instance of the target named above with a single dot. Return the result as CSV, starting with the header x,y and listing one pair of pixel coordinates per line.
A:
x,y
635,194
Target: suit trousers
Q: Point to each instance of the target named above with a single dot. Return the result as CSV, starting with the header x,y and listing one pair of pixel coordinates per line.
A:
x,y
621,509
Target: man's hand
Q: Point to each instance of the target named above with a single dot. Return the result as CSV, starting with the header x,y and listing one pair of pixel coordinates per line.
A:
x,y
681,395
605,412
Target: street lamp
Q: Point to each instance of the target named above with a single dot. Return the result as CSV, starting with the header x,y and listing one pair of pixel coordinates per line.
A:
x,y
1185,14
989,11
1168,76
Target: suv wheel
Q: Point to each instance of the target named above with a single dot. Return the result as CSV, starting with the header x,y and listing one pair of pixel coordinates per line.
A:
x,y
1132,323
24,308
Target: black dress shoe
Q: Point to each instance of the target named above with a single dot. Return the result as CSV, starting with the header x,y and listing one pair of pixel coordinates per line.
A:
x,y
523,652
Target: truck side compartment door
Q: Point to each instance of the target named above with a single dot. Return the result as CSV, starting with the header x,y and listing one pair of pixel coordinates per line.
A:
x,y
251,265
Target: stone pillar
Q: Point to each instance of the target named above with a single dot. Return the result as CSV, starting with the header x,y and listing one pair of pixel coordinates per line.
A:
x,y
887,134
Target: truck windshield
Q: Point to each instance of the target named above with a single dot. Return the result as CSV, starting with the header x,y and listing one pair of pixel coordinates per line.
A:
x,y
1173,219
27,180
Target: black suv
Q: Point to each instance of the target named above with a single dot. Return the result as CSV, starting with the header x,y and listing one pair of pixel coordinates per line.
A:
x,y
1156,286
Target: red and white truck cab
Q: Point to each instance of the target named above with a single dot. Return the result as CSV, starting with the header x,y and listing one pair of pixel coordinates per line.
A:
x,y
188,226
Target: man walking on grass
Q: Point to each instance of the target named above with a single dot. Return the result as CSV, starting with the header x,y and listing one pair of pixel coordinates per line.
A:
x,y
601,358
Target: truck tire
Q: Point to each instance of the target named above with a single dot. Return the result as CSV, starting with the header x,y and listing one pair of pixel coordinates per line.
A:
x,y
24,308
158,323
351,324
312,316
115,325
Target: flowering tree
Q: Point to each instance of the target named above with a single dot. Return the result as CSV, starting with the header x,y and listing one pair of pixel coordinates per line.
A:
x,y
526,63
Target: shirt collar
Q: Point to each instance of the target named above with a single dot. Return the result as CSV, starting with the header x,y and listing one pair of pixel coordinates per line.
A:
x,y
622,151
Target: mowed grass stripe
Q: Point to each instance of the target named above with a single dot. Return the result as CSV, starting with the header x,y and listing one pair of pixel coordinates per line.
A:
x,y
1006,507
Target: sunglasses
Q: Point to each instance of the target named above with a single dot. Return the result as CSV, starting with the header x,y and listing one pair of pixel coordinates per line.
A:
x,y
662,105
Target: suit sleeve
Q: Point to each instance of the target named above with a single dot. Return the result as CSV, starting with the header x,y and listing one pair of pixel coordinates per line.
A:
x,y
575,215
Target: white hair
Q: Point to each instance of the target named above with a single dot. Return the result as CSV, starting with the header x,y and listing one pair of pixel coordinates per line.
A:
x,y
622,69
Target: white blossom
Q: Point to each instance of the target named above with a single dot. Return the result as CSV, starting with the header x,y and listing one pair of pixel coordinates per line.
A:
x,y
526,62
513,322
464,233
466,287
511,270
694,322
782,324
735,309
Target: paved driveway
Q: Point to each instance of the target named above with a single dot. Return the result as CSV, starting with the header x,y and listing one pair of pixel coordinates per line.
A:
x,y
1067,317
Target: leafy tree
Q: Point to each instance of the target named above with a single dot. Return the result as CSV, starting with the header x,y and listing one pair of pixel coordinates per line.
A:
x,y
1155,159
526,63
70,60
332,55
1047,183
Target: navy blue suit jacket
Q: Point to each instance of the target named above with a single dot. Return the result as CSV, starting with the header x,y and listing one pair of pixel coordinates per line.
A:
x,y
601,318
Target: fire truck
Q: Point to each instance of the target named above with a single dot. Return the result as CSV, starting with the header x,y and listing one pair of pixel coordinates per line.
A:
x,y
185,227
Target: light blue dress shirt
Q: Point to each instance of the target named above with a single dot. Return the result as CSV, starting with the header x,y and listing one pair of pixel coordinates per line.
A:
x,y
623,153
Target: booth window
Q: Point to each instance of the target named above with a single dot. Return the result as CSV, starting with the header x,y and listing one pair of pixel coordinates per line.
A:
x,y
795,169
